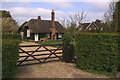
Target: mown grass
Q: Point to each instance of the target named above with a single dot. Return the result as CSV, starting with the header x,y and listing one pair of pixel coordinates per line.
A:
x,y
50,42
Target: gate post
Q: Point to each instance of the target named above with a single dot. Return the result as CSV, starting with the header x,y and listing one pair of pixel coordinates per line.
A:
x,y
68,52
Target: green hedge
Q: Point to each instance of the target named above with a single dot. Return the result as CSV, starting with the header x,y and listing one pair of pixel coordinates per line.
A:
x,y
10,54
99,52
11,36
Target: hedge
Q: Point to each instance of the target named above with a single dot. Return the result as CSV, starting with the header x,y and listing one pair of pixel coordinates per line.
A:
x,y
10,54
11,36
99,52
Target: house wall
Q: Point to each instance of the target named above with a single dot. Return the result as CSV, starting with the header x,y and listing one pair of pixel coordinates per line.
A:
x,y
92,26
31,36
28,32
59,35
41,35
36,37
25,32
22,34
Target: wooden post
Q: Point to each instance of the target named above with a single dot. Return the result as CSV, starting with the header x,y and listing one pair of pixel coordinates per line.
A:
x,y
68,52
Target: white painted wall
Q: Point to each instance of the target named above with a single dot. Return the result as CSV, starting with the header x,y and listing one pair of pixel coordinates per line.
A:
x,y
48,35
28,32
59,35
22,34
36,36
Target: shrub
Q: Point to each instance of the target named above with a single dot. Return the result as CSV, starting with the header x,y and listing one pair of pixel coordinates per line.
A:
x,y
10,54
11,36
98,52
66,37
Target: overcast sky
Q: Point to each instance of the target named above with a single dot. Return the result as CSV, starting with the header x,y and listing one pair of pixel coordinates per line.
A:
x,y
24,11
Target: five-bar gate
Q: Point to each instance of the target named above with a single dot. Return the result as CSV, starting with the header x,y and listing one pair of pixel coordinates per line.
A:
x,y
36,54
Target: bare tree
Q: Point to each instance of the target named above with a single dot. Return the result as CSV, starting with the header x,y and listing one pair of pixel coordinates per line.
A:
x,y
108,16
72,24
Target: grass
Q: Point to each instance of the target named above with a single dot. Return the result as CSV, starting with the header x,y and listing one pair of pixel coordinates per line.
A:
x,y
50,42
107,74
26,40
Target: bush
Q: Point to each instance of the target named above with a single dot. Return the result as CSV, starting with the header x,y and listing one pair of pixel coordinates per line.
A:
x,y
11,36
98,52
66,37
10,54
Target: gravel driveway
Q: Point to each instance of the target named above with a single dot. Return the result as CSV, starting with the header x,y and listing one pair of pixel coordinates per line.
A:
x,y
52,70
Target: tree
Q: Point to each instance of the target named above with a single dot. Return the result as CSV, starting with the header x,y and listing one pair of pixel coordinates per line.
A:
x,y
116,18
108,17
72,24
7,21
5,14
7,25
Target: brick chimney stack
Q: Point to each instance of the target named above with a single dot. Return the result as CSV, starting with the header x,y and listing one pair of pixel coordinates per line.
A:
x,y
39,17
53,36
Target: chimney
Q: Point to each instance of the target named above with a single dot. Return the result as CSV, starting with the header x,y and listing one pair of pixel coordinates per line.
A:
x,y
39,17
53,36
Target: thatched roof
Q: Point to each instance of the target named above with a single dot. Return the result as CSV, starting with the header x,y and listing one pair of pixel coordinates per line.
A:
x,y
42,26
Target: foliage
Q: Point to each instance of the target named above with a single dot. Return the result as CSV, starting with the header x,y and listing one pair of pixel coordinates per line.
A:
x,y
72,24
111,18
7,22
5,14
116,18
66,37
11,36
98,52
10,54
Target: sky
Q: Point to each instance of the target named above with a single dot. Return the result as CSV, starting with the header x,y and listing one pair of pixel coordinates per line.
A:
x,y
24,11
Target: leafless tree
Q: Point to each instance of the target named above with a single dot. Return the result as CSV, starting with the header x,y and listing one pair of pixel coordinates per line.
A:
x,y
108,16
72,24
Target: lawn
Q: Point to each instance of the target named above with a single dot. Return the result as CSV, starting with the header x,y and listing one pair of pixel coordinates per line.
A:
x,y
50,42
